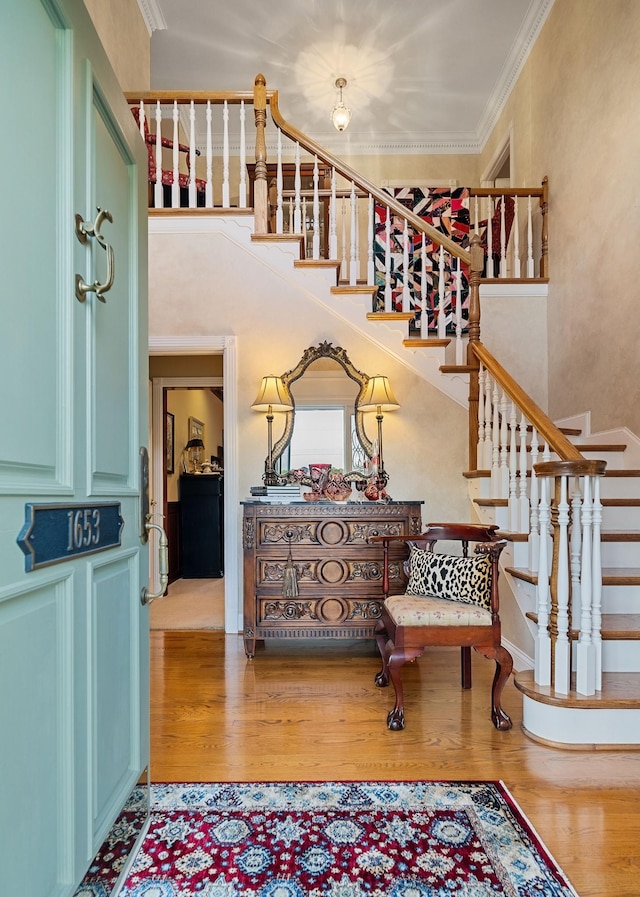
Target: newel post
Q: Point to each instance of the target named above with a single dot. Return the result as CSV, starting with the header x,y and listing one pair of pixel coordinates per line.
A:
x,y
260,190
475,273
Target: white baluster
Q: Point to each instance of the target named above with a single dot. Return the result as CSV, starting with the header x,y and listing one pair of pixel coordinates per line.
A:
x,y
488,424
333,219
542,673
523,498
424,314
193,202
343,266
353,264
305,224
242,192
475,214
315,243
291,216
516,239
406,291
459,345
208,195
562,647
371,268
175,187
279,187
158,192
226,202
388,295
530,265
495,444
504,447
534,531
586,652
596,582
297,206
442,317
482,376
576,549
513,470
503,239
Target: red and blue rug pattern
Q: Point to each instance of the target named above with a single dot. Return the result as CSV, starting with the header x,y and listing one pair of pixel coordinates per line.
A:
x,y
331,839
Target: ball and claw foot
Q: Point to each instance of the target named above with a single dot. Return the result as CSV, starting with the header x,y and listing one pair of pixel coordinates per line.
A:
x,y
501,721
381,680
395,720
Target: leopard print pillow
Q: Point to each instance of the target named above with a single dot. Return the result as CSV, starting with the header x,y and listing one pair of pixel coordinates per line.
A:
x,y
452,577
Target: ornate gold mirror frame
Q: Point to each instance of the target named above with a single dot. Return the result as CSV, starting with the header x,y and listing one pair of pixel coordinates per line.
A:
x,y
339,355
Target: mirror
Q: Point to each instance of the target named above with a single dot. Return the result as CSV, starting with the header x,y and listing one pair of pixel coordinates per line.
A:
x,y
319,363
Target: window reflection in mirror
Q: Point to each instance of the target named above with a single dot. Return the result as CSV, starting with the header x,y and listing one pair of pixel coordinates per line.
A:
x,y
325,427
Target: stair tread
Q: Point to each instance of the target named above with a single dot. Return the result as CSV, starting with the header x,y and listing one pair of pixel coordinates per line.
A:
x,y
611,576
620,536
620,502
456,368
614,627
343,289
491,502
622,473
601,447
619,691
315,263
415,343
390,316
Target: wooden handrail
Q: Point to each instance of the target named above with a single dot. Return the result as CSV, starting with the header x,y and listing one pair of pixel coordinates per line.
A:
x,y
199,97
545,427
350,174
506,191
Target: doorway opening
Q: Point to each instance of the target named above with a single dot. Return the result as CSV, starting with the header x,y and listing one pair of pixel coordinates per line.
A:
x,y
193,388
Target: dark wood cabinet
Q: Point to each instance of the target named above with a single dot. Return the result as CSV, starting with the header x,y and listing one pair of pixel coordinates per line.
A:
x,y
201,526
338,573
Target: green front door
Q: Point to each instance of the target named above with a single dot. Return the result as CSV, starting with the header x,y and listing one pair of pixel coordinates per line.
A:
x,y
73,417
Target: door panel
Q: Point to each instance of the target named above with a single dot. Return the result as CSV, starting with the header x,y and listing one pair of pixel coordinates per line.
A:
x,y
73,633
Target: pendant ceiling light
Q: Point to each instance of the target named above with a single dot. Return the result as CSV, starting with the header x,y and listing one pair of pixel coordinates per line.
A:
x,y
341,115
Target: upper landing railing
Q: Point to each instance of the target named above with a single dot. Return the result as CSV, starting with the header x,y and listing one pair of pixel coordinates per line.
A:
x,y
416,264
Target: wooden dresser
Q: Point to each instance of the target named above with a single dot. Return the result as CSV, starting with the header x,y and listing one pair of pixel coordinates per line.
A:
x,y
338,574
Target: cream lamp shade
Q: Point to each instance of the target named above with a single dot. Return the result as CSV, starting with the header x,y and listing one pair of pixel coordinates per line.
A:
x,y
378,396
272,396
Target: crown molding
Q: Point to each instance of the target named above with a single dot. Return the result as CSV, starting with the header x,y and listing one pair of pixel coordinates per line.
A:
x,y
527,36
153,16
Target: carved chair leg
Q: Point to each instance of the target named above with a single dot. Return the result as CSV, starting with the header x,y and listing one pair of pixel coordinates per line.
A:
x,y
465,666
396,659
382,638
504,666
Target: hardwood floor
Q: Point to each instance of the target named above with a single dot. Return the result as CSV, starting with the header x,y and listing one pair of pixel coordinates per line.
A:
x,y
310,711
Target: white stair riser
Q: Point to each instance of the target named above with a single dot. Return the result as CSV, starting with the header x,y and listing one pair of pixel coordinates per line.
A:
x,y
576,726
620,657
621,599
621,518
620,487
621,554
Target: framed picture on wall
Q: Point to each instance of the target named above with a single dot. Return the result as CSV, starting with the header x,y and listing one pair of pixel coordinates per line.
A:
x,y
196,428
170,450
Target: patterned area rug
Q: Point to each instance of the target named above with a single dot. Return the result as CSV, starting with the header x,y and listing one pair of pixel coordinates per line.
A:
x,y
332,839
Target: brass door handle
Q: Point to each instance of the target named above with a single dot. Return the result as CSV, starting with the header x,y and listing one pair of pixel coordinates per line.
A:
x,y
146,597
85,229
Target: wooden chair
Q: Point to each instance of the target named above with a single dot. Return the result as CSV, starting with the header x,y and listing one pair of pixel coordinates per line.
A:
x,y
450,599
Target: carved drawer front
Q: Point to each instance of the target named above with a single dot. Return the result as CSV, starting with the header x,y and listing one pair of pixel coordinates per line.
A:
x,y
331,533
326,571
328,610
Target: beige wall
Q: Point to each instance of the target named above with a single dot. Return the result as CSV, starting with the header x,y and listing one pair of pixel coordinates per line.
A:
x,y
424,441
574,118
125,38
205,407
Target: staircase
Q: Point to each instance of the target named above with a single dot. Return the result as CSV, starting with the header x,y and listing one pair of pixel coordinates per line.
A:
x,y
578,648
611,716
